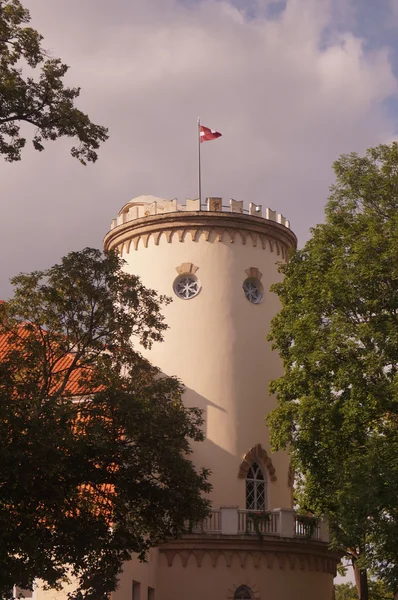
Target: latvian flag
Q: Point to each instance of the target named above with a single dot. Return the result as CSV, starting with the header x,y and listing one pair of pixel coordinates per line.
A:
x,y
207,134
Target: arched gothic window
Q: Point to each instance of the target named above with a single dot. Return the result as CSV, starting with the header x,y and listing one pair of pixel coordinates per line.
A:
x,y
243,593
256,489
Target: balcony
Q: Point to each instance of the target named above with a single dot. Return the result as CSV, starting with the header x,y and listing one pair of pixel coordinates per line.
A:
x,y
278,523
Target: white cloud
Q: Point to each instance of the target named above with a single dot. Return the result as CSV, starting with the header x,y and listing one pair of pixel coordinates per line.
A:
x,y
286,104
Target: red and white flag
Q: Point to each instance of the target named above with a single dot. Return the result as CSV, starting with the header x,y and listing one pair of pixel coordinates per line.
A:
x,y
207,134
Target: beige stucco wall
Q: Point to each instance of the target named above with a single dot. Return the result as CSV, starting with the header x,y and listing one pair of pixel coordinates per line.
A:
x,y
217,346
269,578
220,582
144,573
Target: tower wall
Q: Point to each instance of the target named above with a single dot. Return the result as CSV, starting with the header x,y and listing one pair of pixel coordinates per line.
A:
x,y
216,343
269,579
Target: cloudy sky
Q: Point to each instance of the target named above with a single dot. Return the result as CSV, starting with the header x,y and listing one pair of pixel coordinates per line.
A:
x,y
291,85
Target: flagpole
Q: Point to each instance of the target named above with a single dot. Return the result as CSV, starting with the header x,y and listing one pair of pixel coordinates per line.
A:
x,y
199,169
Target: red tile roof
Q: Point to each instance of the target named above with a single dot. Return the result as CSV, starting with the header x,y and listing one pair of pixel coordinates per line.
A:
x,y
102,497
9,342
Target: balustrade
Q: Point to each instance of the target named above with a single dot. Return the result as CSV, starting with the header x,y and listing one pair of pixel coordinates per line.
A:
x,y
258,522
279,522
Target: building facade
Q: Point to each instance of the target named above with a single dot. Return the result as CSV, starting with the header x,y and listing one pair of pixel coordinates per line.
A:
x,y
218,265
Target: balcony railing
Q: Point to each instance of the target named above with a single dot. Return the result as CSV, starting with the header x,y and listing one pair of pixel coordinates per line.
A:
x,y
212,524
250,521
307,527
279,522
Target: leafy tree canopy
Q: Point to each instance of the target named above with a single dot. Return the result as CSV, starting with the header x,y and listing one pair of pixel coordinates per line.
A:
x,y
345,591
45,102
94,459
337,334
348,591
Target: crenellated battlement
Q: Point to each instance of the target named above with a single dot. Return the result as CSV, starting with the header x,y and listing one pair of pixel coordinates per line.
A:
x,y
146,206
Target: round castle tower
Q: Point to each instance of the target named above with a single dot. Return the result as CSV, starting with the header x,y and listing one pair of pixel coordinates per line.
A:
x,y
218,265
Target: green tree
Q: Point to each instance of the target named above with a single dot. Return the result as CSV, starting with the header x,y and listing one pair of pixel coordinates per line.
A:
x,y
94,459
45,103
348,591
337,334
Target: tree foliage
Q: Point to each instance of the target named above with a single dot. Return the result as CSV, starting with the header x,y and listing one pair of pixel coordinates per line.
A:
x,y
94,459
337,334
45,102
348,591
345,591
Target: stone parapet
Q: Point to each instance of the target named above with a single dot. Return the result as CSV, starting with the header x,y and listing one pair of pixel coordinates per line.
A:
x,y
212,226
146,206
